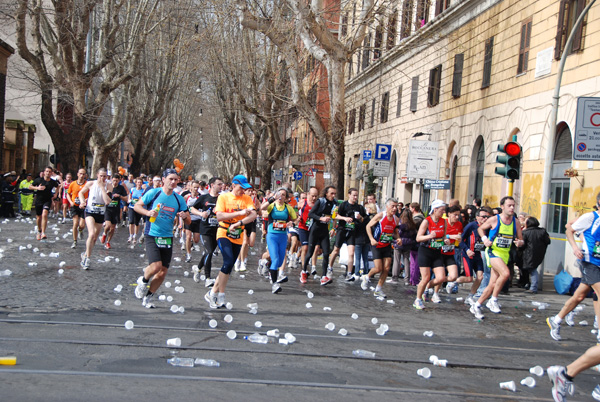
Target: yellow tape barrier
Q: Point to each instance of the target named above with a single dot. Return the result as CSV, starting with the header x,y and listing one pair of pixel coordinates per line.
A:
x,y
564,205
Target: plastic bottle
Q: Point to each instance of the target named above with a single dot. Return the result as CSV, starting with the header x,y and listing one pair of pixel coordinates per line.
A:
x,y
363,353
207,362
181,361
157,209
257,338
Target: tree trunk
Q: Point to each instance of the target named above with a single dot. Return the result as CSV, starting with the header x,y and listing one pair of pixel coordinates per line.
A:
x,y
334,150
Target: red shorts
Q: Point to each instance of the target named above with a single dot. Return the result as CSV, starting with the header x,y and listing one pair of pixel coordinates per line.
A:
x,y
65,201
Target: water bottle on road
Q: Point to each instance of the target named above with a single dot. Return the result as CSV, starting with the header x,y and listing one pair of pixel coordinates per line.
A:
x,y
257,338
181,361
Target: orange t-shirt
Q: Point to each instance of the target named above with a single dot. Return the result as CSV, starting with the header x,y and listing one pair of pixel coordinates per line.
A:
x,y
74,190
228,202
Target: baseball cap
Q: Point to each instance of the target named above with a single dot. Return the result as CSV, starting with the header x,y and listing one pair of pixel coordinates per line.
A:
x,y
241,180
437,204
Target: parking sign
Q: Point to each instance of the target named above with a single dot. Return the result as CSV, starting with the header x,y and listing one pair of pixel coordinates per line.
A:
x,y
383,152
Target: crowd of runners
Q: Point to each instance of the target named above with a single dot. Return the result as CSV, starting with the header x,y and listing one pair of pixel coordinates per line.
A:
x,y
434,250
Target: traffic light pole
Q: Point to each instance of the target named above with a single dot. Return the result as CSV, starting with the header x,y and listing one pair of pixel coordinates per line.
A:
x,y
510,187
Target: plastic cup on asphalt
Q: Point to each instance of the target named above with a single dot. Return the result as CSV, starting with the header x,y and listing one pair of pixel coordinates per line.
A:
x,y
424,372
379,331
509,385
250,292
308,305
167,284
162,297
169,299
177,281
343,332
174,308
229,306
62,264
231,334
440,362
212,323
310,295
258,324
228,318
537,370
117,303
290,338
61,271
433,358
128,324
528,382
330,326
374,321
273,332
181,309
174,342
354,316
283,341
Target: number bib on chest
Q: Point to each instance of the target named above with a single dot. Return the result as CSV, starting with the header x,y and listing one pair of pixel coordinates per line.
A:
x,y
596,250
437,243
447,248
212,221
234,233
163,242
503,241
279,225
386,238
479,247
97,208
350,225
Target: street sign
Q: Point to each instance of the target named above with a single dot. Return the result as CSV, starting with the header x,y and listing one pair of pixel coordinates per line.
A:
x,y
587,130
422,160
383,152
381,168
310,173
326,175
436,184
366,155
297,175
403,180
278,174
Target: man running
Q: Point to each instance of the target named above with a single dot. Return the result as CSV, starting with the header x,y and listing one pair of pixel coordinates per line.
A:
x,y
163,206
192,231
234,210
249,235
454,230
134,218
95,208
304,224
77,211
45,188
504,230
117,194
64,191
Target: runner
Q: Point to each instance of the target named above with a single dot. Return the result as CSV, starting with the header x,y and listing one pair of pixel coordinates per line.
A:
x,y
192,231
589,263
453,233
117,194
26,195
320,213
95,208
471,248
77,211
249,235
63,193
134,218
504,231
294,238
362,245
304,223
562,377
163,206
431,235
205,206
234,210
45,189
381,238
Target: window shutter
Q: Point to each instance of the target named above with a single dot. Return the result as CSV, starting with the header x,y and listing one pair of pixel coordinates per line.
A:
x,y
487,63
439,4
399,102
457,76
414,93
419,15
561,28
577,40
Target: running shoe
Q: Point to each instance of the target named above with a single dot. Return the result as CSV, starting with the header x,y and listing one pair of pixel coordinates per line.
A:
x,y
313,270
182,246
476,311
303,277
220,301
394,279
208,283
554,329
140,289
188,258
243,267
418,304
596,393
560,385
470,300
74,244
141,239
329,272
350,277
129,240
85,264
276,288
569,319
103,238
212,300
449,287
379,293
364,282
148,301
282,278
493,306
38,236
596,322
107,246
80,233
326,280
436,298
236,266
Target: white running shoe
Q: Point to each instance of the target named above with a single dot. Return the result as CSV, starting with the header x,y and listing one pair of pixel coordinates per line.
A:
x,y
236,266
476,311
148,301
209,282
212,300
493,306
276,288
242,267
364,282
449,287
140,289
436,298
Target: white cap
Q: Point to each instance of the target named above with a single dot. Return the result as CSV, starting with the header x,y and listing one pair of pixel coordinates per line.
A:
x,y
437,204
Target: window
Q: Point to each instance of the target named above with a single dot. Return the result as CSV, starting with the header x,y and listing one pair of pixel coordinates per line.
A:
x,y
385,106
406,18
362,114
435,82
457,75
399,102
366,51
344,27
391,31
414,93
378,42
524,46
487,63
373,113
351,121
568,13
312,96
350,64
422,13
479,171
440,6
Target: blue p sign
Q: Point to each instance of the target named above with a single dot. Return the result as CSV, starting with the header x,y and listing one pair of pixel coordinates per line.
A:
x,y
383,152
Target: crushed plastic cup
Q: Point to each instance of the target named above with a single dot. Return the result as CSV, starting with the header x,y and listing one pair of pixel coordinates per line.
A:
x,y
343,332
424,372
537,370
177,281
380,331
117,260
433,358
61,271
528,382
118,288
142,255
258,324
29,246
212,323
354,316
310,295
186,273
283,341
231,334
374,321
459,299
440,362
174,308
117,303
167,284
385,327
128,324
252,305
428,333
273,332
42,255
35,250
330,326
162,297
509,385
250,292
181,309
228,318
9,240
308,305
290,338
169,299
583,323
389,301
326,308
253,311
107,259
32,264
242,276
174,342
62,264
228,306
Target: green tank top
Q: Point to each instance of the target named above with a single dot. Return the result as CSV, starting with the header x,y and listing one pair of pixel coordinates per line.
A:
x,y
503,236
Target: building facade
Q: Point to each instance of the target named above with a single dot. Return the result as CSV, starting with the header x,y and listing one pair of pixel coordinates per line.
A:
x,y
468,76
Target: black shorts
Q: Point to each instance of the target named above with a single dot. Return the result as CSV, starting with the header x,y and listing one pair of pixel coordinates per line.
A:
x,y
112,215
98,218
76,211
590,273
381,252
250,228
157,253
448,260
133,217
294,232
345,236
39,208
430,258
194,226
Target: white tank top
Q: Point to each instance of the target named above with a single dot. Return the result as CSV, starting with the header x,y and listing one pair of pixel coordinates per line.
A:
x,y
95,202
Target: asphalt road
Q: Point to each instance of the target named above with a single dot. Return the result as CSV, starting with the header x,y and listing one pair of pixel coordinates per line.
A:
x,y
71,343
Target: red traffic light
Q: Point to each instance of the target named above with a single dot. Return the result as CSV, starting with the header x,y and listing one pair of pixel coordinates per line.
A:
x,y
512,148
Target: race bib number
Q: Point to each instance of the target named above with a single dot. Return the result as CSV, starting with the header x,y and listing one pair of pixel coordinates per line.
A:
x,y
309,222
114,203
234,233
134,200
213,221
164,242
479,247
386,238
437,244
97,208
350,225
446,248
279,225
596,250
503,242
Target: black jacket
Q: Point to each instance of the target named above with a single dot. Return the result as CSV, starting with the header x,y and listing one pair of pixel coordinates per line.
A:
x,y
534,250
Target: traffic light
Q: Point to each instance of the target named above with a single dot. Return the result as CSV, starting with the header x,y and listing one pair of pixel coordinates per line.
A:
x,y
510,157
